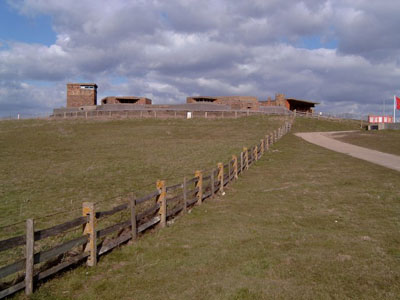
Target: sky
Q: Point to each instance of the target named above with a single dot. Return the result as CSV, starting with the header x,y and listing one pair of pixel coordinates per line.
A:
x,y
344,54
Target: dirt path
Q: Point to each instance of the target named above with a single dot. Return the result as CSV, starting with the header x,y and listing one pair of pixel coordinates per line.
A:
x,y
324,139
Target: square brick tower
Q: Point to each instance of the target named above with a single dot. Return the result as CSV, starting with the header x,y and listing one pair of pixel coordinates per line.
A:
x,y
81,94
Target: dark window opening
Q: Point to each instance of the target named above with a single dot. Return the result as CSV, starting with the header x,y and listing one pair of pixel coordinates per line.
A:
x,y
127,101
205,99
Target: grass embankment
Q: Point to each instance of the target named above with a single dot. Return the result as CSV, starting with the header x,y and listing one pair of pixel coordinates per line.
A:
x,y
303,222
382,140
52,166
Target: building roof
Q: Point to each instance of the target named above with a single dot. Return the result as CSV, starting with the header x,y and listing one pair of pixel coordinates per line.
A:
x,y
299,100
127,97
84,83
203,97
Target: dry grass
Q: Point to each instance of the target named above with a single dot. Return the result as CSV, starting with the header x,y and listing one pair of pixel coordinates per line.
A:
x,y
303,223
382,140
54,166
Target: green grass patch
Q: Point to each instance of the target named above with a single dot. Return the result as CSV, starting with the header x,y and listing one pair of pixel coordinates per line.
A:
x,y
382,140
304,124
53,166
304,222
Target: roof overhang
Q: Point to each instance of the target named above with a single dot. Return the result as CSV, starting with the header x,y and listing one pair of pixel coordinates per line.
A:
x,y
303,101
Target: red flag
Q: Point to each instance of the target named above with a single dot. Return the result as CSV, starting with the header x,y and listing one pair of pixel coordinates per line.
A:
x,y
397,102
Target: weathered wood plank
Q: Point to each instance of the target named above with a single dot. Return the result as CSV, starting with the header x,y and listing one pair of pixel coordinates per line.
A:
x,y
184,195
206,177
191,180
161,199
102,214
106,231
212,183
12,242
133,219
175,210
147,197
12,289
147,212
148,224
174,187
193,200
114,243
57,229
206,195
29,251
59,267
176,198
60,249
89,209
12,268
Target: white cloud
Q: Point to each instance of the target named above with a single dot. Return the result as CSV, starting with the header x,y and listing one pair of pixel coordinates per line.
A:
x,y
168,50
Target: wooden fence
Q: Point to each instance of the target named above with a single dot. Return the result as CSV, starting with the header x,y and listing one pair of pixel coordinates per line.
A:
x,y
312,115
150,211
161,114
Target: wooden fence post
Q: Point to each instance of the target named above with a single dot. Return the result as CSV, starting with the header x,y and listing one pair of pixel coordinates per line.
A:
x,y
88,209
221,177
212,179
30,240
255,152
241,162
184,195
262,146
246,157
162,201
235,166
199,185
133,218
229,171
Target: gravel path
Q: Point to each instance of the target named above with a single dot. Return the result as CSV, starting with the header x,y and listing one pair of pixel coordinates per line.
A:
x,y
324,139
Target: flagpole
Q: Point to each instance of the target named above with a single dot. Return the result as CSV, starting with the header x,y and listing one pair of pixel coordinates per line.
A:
x,y
394,109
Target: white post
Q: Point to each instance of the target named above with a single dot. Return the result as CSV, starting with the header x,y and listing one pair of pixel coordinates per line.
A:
x,y
394,109
18,116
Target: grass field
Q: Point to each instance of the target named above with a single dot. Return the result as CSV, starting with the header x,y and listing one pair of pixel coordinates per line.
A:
x,y
303,222
382,140
53,166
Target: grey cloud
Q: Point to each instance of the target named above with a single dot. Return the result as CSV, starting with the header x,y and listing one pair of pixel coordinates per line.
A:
x,y
28,100
167,50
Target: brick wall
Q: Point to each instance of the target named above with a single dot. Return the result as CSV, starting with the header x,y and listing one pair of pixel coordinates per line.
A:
x,y
81,94
235,102
126,100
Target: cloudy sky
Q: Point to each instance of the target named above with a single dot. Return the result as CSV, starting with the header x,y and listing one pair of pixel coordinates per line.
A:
x,y
342,53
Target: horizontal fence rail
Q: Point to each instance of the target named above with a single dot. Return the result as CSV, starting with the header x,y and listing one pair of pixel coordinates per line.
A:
x,y
165,113
96,232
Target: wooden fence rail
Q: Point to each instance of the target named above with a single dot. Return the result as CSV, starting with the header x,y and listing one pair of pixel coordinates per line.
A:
x,y
166,113
159,206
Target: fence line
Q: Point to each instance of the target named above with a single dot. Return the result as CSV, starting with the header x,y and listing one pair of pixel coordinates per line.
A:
x,y
150,211
163,113
313,115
